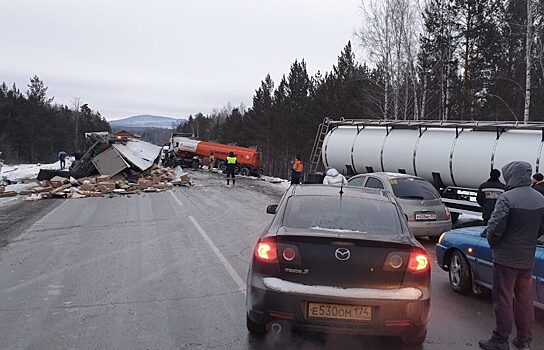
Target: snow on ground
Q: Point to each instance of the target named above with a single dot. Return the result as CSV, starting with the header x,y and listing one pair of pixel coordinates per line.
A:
x,y
19,172
276,181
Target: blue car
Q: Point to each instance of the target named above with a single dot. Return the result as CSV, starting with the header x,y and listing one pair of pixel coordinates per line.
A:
x,y
467,257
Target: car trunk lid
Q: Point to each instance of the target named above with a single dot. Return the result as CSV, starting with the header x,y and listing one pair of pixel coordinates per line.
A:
x,y
342,259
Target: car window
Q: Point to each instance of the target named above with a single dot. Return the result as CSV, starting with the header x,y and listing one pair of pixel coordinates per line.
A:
x,y
374,183
357,181
347,214
413,188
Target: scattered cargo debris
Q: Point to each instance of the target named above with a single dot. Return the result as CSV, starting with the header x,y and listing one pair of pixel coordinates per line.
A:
x,y
155,180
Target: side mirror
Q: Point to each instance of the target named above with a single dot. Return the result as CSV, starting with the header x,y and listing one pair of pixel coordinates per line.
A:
x,y
271,209
484,233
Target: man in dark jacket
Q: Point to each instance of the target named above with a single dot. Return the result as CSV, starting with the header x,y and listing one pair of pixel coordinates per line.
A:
x,y
488,192
512,233
538,182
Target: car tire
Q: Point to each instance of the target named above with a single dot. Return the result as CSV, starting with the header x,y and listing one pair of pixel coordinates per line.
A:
x,y
255,328
459,272
245,171
415,339
222,166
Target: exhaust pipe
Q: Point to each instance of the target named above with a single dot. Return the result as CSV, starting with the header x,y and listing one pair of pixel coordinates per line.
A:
x,y
276,328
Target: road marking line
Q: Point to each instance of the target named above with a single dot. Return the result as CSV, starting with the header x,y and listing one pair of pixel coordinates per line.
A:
x,y
237,279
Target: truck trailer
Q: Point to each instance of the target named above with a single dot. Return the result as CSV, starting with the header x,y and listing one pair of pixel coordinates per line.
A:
x,y
195,153
455,156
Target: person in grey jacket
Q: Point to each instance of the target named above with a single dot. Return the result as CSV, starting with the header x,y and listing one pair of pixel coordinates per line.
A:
x,y
512,233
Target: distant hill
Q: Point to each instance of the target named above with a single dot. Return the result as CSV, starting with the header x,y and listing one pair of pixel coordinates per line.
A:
x,y
146,121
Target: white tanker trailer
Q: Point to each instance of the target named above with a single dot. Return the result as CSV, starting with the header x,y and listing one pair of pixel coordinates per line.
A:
x,y
455,156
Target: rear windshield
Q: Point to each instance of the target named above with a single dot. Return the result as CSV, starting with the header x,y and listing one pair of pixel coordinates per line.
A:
x,y
411,188
342,215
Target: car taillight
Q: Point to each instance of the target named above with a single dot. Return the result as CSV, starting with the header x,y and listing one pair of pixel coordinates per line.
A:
x,y
266,251
447,212
419,261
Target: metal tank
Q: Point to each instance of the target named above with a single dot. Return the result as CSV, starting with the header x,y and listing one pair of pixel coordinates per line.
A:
x,y
458,154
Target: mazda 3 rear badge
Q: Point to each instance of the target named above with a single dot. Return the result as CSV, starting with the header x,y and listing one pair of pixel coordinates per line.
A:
x,y
342,254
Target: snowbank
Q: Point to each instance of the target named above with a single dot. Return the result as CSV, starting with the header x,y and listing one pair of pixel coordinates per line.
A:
x,y
19,172
282,183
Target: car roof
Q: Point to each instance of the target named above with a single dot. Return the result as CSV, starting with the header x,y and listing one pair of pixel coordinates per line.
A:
x,y
334,191
389,175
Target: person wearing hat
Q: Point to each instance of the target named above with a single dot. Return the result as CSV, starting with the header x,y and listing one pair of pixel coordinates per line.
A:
x,y
538,182
231,167
488,192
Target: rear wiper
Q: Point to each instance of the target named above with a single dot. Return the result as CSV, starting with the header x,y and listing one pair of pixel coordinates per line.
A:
x,y
412,197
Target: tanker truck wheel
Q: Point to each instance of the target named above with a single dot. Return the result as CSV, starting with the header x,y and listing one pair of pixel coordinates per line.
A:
x,y
245,171
222,166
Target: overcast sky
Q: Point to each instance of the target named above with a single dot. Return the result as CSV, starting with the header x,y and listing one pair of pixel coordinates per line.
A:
x,y
167,57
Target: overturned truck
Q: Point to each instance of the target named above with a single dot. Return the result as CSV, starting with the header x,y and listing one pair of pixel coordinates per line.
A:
x,y
109,155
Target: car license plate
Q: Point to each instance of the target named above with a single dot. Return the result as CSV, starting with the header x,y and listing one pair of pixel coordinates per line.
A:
x,y
426,216
339,312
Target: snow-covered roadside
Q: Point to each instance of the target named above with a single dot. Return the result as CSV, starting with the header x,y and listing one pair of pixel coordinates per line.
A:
x,y
19,172
276,181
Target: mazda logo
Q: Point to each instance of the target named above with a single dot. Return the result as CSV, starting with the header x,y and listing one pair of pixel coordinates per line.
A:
x,y
342,254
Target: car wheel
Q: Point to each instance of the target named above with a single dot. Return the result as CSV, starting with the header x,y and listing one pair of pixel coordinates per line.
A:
x,y
254,327
459,273
415,339
245,171
222,166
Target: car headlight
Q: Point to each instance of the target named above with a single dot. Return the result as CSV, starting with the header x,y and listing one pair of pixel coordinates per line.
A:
x,y
441,237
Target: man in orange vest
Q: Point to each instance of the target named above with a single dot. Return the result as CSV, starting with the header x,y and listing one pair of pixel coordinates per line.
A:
x,y
296,174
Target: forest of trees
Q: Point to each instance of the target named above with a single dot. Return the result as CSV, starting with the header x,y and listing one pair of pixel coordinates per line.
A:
x,y
33,129
437,60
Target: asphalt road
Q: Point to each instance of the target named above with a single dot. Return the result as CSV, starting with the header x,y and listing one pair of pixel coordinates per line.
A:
x,y
167,271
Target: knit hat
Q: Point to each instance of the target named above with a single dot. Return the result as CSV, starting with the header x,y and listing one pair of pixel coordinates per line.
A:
x,y
495,174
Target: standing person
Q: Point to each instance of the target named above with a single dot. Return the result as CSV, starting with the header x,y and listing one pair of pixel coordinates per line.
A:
x,y
62,159
333,177
488,192
211,163
231,167
538,182
296,171
512,233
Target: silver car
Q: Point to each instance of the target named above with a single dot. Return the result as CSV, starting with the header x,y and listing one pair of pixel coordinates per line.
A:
x,y
420,201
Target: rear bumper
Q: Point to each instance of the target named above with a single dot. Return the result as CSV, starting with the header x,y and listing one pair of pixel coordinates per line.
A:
x,y
429,228
394,312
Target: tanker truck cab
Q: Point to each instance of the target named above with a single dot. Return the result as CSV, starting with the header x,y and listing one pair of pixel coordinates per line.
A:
x,y
427,215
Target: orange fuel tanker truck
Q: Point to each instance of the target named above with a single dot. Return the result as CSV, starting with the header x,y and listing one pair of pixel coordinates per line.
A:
x,y
191,152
